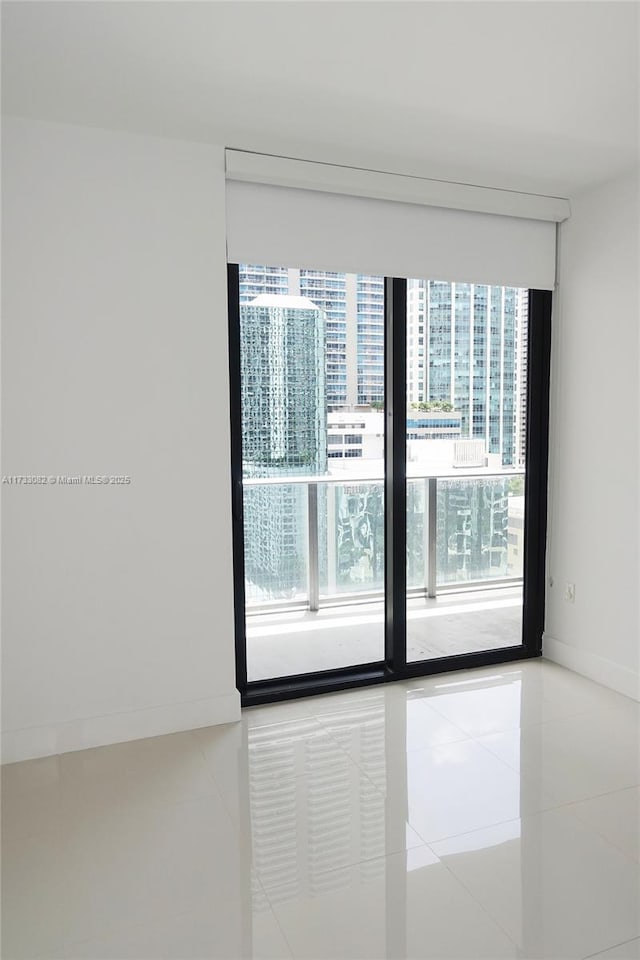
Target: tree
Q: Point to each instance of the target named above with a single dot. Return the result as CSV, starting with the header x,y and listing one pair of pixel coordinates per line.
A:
x,y
516,486
428,406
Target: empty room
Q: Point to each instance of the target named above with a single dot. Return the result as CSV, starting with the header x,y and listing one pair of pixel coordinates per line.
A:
x,y
320,436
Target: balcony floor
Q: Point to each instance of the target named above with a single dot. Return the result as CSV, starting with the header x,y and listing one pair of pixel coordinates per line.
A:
x,y
291,642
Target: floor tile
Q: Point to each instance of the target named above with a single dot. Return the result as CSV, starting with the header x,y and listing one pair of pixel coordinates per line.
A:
x,y
357,700
219,934
504,698
577,694
310,826
401,906
622,951
460,787
224,748
157,770
293,749
557,888
287,710
511,696
574,759
362,730
615,816
33,897
42,808
271,745
125,868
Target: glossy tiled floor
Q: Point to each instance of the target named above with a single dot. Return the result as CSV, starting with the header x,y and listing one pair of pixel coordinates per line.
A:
x,y
478,815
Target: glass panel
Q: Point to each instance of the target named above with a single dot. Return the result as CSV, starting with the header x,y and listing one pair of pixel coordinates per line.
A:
x,y
312,394
476,535
466,435
275,543
353,560
417,523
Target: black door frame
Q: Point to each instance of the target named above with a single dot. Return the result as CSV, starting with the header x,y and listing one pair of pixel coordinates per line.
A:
x,y
394,665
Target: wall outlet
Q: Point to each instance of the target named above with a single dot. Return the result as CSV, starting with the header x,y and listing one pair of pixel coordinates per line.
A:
x,y
570,592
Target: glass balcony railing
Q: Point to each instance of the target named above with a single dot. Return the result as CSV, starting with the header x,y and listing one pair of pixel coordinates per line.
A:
x,y
312,541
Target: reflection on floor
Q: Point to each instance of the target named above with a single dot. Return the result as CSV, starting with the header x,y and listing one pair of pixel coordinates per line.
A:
x,y
482,814
281,644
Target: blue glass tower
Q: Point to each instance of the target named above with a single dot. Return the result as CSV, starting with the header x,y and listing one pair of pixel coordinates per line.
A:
x,y
283,394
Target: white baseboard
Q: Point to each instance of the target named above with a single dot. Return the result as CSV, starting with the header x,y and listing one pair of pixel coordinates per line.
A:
x,y
70,735
607,672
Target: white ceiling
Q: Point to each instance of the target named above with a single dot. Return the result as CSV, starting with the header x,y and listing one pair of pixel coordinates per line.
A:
x,y
539,96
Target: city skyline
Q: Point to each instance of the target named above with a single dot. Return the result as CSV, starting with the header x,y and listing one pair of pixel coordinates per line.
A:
x,y
466,345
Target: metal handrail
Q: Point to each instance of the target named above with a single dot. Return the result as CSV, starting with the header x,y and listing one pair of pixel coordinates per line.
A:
x,y
351,480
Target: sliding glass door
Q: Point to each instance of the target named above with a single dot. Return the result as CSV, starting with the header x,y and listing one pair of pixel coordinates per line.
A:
x,y
466,386
311,371
389,473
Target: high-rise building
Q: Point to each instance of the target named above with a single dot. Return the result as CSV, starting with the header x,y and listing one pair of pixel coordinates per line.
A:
x,y
283,386
256,279
522,355
282,350
461,349
329,292
354,310
370,340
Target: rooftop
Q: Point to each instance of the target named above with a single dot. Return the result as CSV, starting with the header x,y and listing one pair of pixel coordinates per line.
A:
x,y
284,301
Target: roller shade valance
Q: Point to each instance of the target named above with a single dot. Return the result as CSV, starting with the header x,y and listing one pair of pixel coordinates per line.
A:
x,y
406,229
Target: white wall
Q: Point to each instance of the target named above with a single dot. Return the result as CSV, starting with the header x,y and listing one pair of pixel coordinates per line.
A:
x,y
117,600
595,416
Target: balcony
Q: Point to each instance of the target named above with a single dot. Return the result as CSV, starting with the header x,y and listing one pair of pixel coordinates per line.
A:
x,y
314,561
